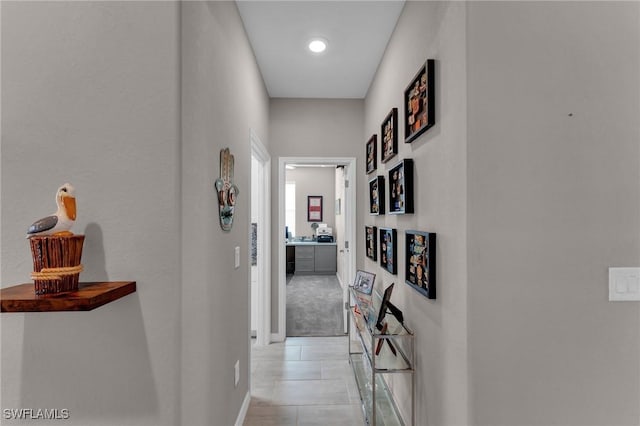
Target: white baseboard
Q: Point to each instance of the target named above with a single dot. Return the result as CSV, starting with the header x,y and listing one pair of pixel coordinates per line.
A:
x,y
243,410
277,337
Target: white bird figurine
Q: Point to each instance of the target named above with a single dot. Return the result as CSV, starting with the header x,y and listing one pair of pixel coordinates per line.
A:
x,y
61,221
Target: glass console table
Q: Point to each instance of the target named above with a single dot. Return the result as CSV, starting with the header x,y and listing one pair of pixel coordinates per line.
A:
x,y
376,351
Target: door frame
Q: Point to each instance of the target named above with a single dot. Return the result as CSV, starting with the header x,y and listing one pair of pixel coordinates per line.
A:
x,y
350,230
263,328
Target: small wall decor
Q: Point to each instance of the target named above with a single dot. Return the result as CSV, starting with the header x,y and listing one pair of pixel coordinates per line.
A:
x,y
401,187
388,250
227,190
254,244
419,102
376,195
364,282
314,208
371,242
420,262
372,154
389,135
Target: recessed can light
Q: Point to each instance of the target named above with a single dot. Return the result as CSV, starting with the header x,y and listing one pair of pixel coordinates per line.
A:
x,y
317,45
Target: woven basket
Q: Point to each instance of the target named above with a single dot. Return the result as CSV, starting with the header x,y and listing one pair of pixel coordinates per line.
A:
x,y
56,263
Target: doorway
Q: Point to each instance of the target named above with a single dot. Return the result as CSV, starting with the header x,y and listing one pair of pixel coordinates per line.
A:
x,y
346,246
260,241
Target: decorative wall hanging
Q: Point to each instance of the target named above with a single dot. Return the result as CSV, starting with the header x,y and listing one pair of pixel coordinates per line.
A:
x,y
372,154
254,244
419,102
376,195
227,190
314,208
371,242
389,135
388,250
401,187
55,250
420,262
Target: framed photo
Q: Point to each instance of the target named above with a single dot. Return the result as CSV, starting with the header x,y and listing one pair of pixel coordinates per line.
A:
x,y
420,264
389,136
376,195
388,250
371,242
364,282
314,208
419,102
372,154
401,187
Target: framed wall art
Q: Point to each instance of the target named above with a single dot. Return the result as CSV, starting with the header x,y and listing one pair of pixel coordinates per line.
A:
x,y
420,262
401,187
389,136
376,195
372,154
364,282
371,242
419,102
388,250
314,208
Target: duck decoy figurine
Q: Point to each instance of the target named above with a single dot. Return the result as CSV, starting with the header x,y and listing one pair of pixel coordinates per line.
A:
x,y
61,221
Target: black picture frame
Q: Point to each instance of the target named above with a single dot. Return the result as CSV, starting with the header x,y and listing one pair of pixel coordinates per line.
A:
x,y
389,136
372,154
376,196
371,242
364,281
314,208
420,102
420,262
401,187
389,250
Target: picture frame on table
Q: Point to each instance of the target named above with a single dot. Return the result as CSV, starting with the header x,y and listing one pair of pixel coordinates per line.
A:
x,y
389,136
420,262
371,242
314,208
420,103
372,154
389,250
401,187
376,196
364,281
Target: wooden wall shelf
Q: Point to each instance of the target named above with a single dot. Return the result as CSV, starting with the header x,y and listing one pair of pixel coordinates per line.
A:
x,y
22,298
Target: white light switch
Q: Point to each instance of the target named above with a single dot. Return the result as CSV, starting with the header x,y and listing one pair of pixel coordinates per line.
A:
x,y
624,284
237,256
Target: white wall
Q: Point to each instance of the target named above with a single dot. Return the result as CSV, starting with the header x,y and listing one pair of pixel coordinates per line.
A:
x,y
554,169
223,97
339,231
429,30
90,95
310,128
313,181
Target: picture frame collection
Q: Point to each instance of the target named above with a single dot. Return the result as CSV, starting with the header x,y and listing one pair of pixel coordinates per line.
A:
x,y
381,243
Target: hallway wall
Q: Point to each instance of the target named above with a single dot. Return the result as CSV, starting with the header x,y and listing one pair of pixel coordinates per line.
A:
x,y
428,30
90,95
310,128
313,181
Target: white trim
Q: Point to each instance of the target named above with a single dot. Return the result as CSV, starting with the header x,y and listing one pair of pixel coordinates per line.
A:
x,y
263,332
243,410
350,225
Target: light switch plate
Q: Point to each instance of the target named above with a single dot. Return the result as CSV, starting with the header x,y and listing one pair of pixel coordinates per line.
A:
x,y
237,257
624,284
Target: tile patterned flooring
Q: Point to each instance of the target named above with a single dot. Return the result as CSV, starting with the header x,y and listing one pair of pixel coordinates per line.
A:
x,y
305,381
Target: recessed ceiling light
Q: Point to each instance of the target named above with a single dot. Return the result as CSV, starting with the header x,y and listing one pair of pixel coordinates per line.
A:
x,y
317,45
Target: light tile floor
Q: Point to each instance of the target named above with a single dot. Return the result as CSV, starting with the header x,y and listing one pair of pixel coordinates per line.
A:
x,y
305,381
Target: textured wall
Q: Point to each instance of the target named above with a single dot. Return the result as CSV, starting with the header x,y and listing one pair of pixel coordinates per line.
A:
x,y
90,95
554,168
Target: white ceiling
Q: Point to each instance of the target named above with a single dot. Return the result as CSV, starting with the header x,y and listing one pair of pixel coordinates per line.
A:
x,y
357,33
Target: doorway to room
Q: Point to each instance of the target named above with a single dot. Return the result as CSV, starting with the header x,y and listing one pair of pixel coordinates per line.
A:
x,y
317,259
